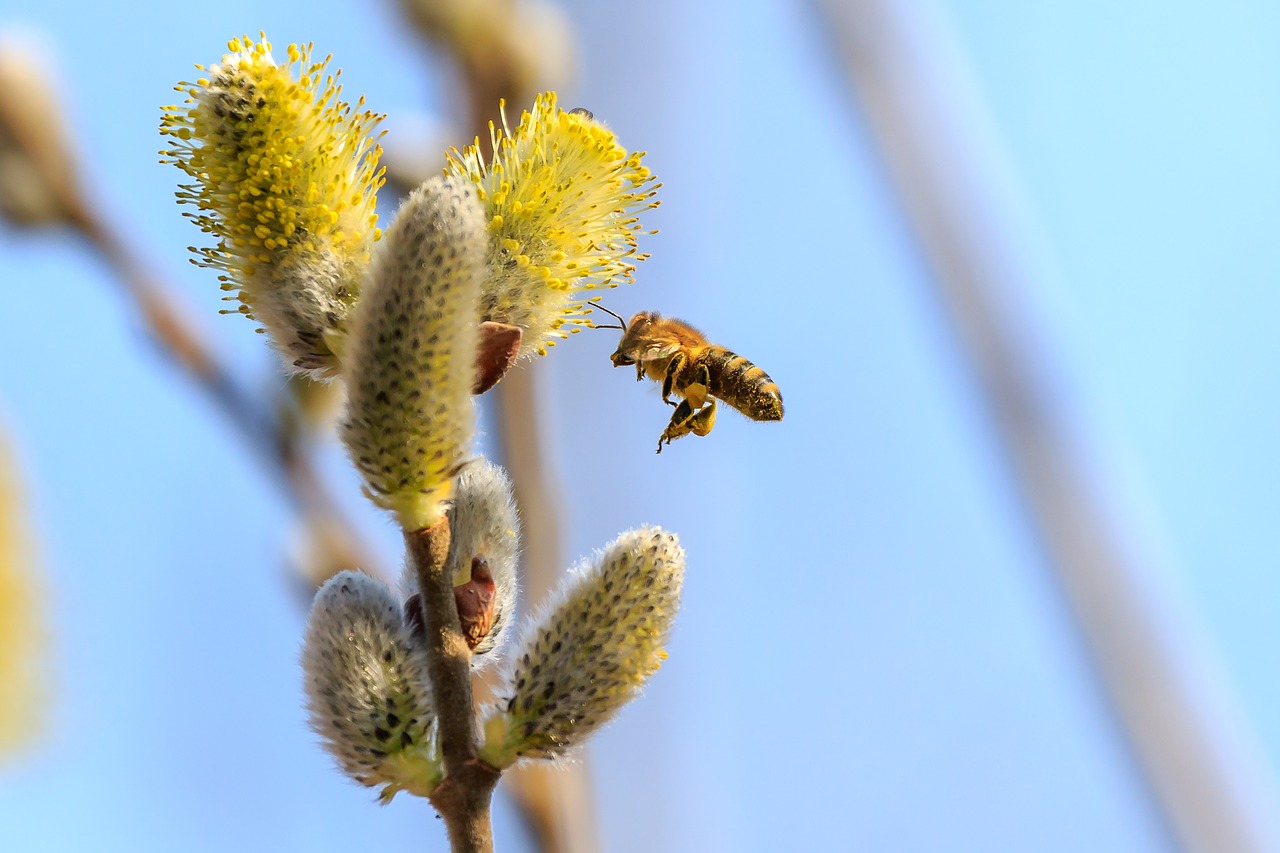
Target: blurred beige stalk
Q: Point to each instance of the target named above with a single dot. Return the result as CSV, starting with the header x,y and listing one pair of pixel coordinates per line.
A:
x,y
557,798
24,642
512,50
911,83
38,173
503,48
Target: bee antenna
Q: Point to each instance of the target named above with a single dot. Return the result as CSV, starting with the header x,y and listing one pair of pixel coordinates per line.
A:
x,y
623,327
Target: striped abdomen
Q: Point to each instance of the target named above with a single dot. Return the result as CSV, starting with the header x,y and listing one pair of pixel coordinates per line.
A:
x,y
742,385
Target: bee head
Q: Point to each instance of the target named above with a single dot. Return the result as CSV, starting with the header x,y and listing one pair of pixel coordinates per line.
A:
x,y
631,333
619,358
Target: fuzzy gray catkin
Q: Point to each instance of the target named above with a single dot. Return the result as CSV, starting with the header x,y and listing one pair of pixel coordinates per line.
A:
x,y
590,651
366,686
410,360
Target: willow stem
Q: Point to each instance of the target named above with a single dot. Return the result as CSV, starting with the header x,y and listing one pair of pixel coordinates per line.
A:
x,y
463,798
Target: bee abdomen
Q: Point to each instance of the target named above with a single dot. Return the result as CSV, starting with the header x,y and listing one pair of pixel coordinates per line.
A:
x,y
742,385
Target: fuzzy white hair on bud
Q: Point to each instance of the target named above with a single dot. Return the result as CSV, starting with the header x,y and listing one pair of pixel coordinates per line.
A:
x,y
410,359
483,551
485,524
366,686
591,650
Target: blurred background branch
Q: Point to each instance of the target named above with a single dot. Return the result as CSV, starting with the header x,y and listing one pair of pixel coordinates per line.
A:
x,y
905,78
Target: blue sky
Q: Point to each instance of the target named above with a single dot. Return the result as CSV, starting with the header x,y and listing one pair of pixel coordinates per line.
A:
x,y
872,653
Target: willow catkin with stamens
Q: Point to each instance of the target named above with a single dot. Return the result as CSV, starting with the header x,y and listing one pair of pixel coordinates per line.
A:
x,y
562,200
285,176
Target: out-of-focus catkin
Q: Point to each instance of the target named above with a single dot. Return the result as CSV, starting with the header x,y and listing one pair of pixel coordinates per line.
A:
x,y
39,175
24,642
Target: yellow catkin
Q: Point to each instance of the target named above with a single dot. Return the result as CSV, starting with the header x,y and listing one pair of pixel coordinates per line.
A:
x,y
285,177
562,199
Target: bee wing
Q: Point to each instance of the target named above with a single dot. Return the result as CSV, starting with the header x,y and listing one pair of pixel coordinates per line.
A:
x,y
655,351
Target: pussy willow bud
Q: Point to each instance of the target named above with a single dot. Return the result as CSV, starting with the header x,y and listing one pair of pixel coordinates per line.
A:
x,y
38,172
590,651
562,200
366,684
285,177
482,559
410,359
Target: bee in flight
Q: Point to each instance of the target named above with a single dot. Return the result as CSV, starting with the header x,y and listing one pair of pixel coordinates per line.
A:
x,y
691,367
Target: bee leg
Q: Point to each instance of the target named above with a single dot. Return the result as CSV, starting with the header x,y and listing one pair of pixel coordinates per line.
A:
x,y
697,389
639,371
701,422
685,420
674,367
678,425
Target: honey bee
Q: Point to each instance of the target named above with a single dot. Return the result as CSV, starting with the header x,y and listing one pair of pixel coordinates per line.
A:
x,y
691,367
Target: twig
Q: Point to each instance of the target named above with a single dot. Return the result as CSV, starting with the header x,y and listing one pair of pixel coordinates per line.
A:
x,y
463,798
